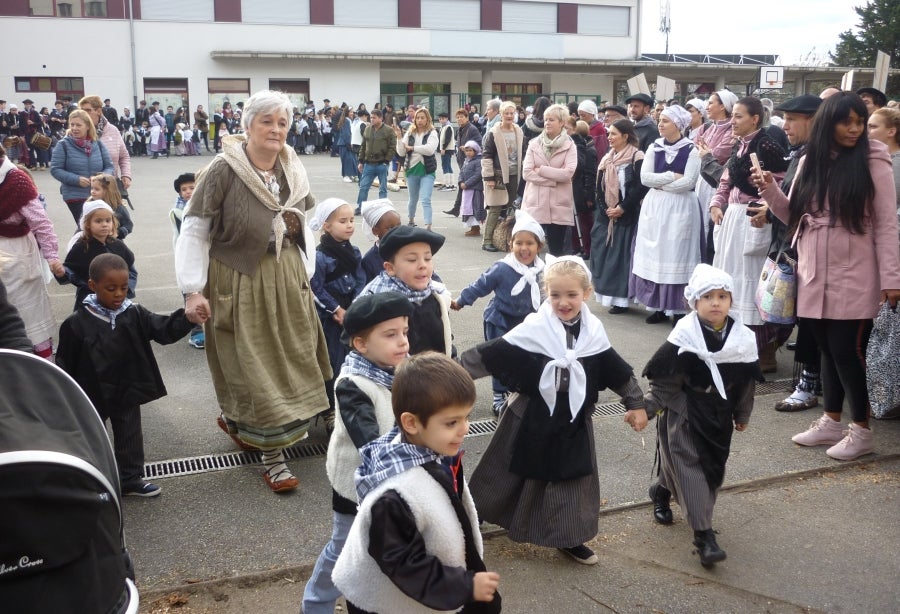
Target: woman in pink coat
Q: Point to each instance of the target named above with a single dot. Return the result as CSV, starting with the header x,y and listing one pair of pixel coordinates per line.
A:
x,y
550,162
843,209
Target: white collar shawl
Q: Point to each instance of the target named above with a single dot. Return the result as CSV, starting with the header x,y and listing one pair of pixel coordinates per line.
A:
x,y
5,168
544,333
529,276
298,185
740,345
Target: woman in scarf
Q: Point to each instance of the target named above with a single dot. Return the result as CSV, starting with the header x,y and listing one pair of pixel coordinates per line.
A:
x,y
109,135
26,237
742,234
667,247
619,194
550,163
239,263
501,167
76,158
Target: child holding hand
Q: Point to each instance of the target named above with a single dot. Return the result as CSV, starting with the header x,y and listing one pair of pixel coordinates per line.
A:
x,y
415,545
105,188
376,327
516,282
538,477
702,381
338,280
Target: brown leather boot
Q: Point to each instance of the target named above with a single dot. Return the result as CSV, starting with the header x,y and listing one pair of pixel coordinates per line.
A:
x,y
767,362
473,231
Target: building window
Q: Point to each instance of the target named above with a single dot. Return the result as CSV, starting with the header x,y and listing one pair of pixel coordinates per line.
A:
x,y
168,92
365,13
41,8
94,9
178,10
60,86
466,15
227,90
529,16
266,11
295,89
604,20
64,9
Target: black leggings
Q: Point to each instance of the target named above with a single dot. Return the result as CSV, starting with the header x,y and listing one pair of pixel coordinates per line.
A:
x,y
75,208
843,345
556,238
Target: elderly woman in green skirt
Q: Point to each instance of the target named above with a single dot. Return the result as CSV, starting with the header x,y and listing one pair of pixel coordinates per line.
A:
x,y
239,262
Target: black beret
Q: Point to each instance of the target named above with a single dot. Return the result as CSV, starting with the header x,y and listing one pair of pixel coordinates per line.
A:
x,y
807,103
640,97
878,96
616,108
371,309
399,236
30,101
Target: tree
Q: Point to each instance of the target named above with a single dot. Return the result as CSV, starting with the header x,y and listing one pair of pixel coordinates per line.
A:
x,y
878,30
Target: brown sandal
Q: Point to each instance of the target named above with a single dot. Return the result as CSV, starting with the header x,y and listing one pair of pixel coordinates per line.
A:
x,y
237,440
279,484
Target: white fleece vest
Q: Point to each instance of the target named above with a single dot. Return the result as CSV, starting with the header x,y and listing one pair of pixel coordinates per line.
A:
x,y
356,573
343,457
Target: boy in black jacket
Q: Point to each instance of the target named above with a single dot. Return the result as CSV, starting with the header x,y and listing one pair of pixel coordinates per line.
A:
x,y
105,346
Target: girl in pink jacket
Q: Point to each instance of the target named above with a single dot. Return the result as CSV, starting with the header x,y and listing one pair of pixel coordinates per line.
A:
x,y
843,209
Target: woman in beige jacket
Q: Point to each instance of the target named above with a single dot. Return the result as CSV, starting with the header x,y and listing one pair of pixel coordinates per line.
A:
x,y
501,167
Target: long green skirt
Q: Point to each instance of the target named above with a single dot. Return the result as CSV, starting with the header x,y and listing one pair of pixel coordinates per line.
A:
x,y
266,350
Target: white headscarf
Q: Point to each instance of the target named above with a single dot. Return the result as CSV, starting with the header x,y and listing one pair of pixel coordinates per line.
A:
x,y
90,207
323,211
372,212
680,116
728,98
705,278
524,222
698,104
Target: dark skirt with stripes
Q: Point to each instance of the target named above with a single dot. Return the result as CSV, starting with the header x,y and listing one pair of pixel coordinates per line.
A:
x,y
559,514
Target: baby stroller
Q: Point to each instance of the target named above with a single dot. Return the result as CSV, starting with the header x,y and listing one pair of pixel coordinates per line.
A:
x,y
62,547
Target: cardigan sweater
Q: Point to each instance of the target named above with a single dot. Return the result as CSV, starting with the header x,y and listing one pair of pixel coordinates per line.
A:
x,y
495,164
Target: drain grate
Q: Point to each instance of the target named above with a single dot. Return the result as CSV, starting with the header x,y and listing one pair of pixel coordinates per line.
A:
x,y
231,460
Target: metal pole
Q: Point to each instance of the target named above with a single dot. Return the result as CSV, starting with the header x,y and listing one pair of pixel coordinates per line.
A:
x,y
134,90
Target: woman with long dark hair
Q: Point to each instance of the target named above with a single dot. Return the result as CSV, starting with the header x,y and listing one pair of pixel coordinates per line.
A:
x,y
842,208
742,235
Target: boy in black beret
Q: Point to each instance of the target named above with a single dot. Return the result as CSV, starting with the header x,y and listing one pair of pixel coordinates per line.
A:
x,y
408,253
375,327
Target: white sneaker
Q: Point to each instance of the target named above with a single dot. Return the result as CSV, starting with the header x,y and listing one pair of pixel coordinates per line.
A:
x,y
822,431
347,180
858,442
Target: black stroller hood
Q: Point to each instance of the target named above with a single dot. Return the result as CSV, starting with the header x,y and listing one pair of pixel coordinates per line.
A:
x,y
61,541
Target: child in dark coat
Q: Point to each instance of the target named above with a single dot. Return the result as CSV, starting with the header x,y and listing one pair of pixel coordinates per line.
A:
x,y
105,347
472,210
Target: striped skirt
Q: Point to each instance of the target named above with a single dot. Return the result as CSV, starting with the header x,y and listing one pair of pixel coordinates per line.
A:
x,y
552,514
266,350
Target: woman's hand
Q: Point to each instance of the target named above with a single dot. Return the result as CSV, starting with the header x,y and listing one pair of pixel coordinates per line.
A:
x,y
126,181
84,182
614,213
758,219
716,215
455,306
740,428
196,308
637,418
703,149
891,296
487,184
761,180
57,268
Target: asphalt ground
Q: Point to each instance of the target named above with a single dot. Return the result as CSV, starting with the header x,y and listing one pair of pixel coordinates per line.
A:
x,y
803,532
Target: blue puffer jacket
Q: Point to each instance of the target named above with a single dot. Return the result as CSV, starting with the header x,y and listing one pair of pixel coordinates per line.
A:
x,y
69,162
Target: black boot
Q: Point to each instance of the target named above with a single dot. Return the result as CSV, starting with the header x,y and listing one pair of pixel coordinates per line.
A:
x,y
707,548
661,496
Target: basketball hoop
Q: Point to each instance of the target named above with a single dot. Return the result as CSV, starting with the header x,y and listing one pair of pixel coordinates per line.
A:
x,y
771,84
771,77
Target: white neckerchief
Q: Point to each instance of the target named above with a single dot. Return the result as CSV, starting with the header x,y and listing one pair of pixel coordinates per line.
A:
x,y
529,277
670,149
740,345
544,333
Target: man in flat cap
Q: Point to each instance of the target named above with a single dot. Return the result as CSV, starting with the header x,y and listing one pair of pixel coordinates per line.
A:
x,y
639,106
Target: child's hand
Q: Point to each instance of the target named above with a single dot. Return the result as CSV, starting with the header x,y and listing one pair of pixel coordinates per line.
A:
x,y
455,306
637,418
338,315
57,268
740,427
485,585
462,185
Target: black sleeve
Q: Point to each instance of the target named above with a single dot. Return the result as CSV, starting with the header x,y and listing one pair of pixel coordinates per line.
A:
x,y
68,348
12,328
164,329
614,373
357,412
126,225
635,191
399,549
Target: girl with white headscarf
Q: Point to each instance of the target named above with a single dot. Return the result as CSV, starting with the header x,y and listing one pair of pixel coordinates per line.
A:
x,y
668,242
702,381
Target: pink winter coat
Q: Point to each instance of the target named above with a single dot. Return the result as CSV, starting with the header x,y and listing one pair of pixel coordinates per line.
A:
x,y
841,275
118,153
548,183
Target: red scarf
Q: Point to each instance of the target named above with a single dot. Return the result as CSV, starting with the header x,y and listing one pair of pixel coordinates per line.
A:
x,y
16,191
84,144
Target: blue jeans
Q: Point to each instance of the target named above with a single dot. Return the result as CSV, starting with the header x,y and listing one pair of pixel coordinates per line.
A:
x,y
321,593
419,186
369,172
446,166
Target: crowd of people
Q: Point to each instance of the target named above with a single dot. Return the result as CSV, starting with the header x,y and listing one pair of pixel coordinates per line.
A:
x,y
669,206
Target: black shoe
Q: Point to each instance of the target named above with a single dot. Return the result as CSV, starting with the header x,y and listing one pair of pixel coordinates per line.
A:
x,y
661,496
675,318
357,211
453,212
617,310
489,248
656,317
791,345
707,548
581,554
